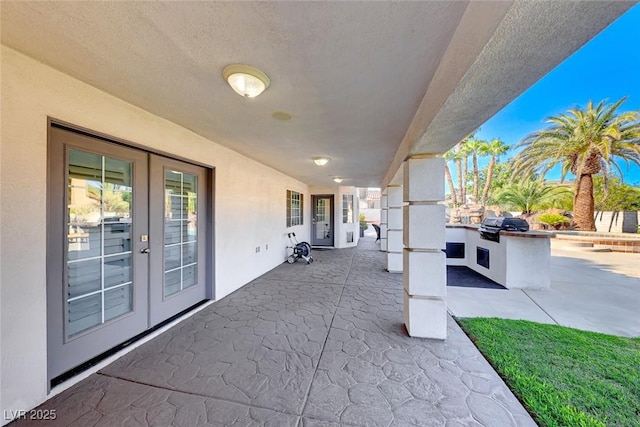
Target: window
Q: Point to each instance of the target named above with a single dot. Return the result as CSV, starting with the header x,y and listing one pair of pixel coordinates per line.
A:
x,y
321,210
294,208
347,208
180,232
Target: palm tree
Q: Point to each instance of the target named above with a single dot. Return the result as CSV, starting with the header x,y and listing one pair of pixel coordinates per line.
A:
x,y
494,148
448,156
526,196
464,158
458,157
583,142
462,164
473,147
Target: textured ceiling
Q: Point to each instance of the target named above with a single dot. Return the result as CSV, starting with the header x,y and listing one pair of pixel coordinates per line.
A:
x,y
367,83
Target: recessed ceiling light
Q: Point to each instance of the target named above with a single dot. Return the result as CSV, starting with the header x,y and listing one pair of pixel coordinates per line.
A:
x,y
337,179
281,115
246,80
320,161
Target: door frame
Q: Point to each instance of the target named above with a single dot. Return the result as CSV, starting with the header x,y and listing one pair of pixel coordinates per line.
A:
x,y
314,198
53,197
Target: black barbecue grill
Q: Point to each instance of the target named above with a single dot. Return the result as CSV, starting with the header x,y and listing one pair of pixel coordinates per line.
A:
x,y
490,227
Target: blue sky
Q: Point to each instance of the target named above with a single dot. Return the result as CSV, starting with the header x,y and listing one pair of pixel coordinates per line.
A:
x,y
606,68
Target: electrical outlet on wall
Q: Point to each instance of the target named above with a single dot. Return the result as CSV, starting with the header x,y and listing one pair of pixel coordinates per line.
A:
x,y
266,247
257,249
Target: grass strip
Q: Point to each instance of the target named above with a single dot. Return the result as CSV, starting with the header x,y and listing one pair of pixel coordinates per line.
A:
x,y
564,376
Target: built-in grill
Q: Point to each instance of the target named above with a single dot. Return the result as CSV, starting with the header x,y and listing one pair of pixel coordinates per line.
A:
x,y
490,227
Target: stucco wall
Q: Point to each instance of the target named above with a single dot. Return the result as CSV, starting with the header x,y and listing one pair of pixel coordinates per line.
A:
x,y
617,222
354,226
497,261
249,205
371,215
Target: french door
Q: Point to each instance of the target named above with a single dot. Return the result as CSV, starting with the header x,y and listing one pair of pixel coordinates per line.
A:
x,y
125,247
177,248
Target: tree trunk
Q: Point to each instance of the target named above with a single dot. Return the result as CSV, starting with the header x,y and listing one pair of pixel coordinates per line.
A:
x,y
583,208
475,178
487,184
463,188
459,168
452,188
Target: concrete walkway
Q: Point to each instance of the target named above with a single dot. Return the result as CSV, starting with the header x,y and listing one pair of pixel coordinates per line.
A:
x,y
304,345
594,291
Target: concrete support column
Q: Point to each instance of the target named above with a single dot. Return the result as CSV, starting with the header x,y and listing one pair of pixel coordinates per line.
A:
x,y
383,220
424,263
394,230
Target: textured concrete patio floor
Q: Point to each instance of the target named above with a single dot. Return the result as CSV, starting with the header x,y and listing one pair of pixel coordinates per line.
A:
x,y
304,345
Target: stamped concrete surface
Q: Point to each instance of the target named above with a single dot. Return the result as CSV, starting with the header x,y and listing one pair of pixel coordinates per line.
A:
x,y
593,291
303,345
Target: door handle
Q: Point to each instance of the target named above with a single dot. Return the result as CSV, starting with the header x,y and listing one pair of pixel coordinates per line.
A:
x,y
145,250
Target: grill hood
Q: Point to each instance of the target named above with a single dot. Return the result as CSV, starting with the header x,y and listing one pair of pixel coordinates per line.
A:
x,y
490,227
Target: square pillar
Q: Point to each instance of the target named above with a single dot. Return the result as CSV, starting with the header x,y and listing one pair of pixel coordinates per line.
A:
x,y
424,263
394,229
383,220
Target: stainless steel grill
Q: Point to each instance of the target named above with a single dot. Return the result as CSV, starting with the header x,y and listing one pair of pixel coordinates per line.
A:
x,y
491,227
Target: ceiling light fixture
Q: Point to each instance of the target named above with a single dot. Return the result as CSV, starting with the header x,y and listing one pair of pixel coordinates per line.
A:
x,y
337,179
246,80
320,161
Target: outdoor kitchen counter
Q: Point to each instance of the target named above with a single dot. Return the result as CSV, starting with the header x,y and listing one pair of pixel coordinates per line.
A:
x,y
520,260
528,234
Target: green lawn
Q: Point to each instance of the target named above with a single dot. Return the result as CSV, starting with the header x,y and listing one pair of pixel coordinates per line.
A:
x,y
565,377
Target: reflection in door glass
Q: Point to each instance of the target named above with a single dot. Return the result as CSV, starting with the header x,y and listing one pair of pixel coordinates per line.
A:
x,y
180,231
323,219
99,196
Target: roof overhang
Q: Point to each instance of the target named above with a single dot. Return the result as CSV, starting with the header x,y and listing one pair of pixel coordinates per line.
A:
x,y
367,83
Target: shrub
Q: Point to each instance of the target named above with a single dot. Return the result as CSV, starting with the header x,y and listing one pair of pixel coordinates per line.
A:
x,y
553,219
363,221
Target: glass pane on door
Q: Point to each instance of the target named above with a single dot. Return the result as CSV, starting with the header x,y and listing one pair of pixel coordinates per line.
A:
x,y
98,285
180,231
323,219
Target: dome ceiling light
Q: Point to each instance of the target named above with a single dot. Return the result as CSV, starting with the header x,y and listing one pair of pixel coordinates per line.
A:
x,y
337,179
320,161
246,80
